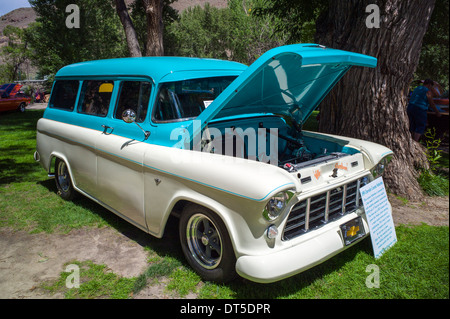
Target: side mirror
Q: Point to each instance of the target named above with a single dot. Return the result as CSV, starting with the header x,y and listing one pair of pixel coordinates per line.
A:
x,y
129,116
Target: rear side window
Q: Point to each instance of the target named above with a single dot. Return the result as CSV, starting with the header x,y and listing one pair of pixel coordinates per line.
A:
x,y
64,94
134,95
95,97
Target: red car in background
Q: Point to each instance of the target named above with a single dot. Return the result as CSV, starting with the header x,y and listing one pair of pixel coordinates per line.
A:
x,y
441,124
12,99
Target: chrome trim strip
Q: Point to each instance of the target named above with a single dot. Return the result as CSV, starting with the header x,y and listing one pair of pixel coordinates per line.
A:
x,y
327,206
358,184
308,207
344,198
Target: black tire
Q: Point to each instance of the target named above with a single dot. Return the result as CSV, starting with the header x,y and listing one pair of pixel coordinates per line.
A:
x,y
63,180
206,244
21,107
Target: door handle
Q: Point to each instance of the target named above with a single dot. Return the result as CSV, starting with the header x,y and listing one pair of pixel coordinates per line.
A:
x,y
106,128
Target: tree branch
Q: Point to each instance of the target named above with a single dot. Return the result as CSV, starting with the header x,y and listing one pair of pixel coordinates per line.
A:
x,y
130,32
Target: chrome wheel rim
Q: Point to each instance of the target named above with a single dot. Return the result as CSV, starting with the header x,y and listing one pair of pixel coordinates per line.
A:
x,y
204,241
63,177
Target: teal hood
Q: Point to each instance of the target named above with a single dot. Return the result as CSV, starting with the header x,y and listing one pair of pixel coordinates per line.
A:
x,y
289,79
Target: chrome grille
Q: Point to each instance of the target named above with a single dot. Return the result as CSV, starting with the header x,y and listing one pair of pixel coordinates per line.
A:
x,y
318,210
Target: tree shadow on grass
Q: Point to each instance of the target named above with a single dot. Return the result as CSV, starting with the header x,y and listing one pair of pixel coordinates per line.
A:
x,y
17,145
12,171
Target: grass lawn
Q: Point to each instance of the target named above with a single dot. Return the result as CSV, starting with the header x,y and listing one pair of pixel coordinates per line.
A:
x,y
416,267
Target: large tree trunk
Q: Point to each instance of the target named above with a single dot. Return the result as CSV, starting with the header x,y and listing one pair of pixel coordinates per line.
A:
x,y
153,11
371,103
130,32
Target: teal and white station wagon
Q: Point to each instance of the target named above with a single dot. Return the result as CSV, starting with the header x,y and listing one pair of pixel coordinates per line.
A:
x,y
220,147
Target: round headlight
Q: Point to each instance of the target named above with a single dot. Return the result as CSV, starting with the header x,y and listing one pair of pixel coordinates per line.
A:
x,y
275,206
378,170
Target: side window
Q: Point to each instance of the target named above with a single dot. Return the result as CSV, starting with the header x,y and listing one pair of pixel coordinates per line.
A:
x,y
188,98
134,95
64,94
96,96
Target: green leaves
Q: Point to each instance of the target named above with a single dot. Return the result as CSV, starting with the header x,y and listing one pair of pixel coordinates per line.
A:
x,y
432,144
14,54
54,45
231,33
434,55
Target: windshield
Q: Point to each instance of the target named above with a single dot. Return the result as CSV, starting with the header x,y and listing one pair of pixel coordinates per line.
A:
x,y
186,99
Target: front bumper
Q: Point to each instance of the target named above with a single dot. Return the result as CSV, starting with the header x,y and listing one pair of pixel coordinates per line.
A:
x,y
299,257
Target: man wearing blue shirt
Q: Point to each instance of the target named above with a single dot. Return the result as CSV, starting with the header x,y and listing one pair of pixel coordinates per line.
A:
x,y
420,100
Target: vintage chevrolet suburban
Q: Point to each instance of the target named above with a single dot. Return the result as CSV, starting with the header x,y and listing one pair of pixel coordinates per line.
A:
x,y
220,146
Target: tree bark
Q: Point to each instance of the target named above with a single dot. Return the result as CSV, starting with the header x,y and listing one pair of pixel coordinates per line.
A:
x,y
130,32
371,104
153,11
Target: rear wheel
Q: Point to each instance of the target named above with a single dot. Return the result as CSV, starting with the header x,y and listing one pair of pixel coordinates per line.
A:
x,y
206,244
21,107
63,180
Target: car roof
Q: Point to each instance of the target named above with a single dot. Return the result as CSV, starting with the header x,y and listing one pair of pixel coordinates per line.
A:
x,y
160,69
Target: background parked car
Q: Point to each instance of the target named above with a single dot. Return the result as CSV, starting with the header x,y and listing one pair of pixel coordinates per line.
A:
x,y
11,98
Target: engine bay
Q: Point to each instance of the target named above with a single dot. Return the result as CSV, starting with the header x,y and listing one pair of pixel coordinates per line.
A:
x,y
295,149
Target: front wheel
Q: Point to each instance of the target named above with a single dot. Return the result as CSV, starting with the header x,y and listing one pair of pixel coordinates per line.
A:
x,y
63,180
206,244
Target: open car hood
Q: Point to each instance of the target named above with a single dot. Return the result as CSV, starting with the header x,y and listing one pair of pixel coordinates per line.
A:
x,y
289,79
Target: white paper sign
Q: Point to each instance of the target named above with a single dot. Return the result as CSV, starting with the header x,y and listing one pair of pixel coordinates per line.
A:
x,y
379,216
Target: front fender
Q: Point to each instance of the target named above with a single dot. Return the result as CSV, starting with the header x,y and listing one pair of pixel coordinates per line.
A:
x,y
237,190
373,152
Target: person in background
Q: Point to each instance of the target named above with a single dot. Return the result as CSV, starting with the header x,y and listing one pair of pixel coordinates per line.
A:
x,y
421,99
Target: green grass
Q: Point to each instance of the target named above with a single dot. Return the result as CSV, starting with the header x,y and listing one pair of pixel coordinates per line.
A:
x,y
36,208
415,267
28,199
96,281
17,146
443,161
434,184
